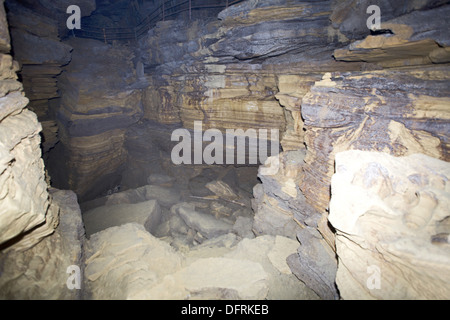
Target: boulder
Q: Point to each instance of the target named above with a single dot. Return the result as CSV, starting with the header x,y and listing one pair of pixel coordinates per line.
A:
x,y
167,197
206,224
125,262
214,278
147,214
40,272
392,233
271,252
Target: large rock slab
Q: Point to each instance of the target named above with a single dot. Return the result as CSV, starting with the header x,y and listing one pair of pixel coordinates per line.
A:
x,y
146,213
125,262
206,224
315,264
167,197
40,271
400,112
272,253
94,116
392,233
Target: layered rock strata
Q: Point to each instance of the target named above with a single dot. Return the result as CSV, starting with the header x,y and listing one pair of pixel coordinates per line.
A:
x,y
41,230
220,268
38,48
26,211
98,104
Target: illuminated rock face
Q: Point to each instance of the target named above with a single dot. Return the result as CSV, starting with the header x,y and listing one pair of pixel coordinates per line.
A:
x,y
25,202
40,230
398,112
392,222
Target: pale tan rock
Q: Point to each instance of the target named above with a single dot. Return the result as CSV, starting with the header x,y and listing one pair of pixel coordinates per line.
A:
x,y
265,251
146,213
25,200
282,249
210,278
390,232
40,272
125,262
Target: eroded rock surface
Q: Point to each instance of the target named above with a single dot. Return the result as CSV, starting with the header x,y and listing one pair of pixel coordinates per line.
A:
x,y
392,233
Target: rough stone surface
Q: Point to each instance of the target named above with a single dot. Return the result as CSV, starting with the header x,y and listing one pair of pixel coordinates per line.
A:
x,y
402,112
40,53
206,224
271,252
214,278
167,197
41,271
125,262
392,234
26,214
315,264
146,213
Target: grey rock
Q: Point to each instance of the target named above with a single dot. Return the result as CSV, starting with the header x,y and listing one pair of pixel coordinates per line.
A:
x,y
146,213
166,196
207,225
315,265
243,227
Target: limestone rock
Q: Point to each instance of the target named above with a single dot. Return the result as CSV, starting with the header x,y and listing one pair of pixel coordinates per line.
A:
x,y
214,278
167,197
5,45
206,224
271,252
40,272
222,190
417,38
389,231
25,203
278,200
404,121
146,213
315,264
40,53
160,179
283,248
125,262
243,227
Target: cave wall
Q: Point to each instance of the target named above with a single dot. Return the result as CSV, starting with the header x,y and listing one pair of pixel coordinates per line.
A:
x,y
310,69
41,228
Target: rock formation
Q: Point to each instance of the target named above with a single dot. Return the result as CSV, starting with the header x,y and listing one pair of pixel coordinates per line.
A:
x,y
26,210
393,232
254,269
38,48
312,70
41,229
